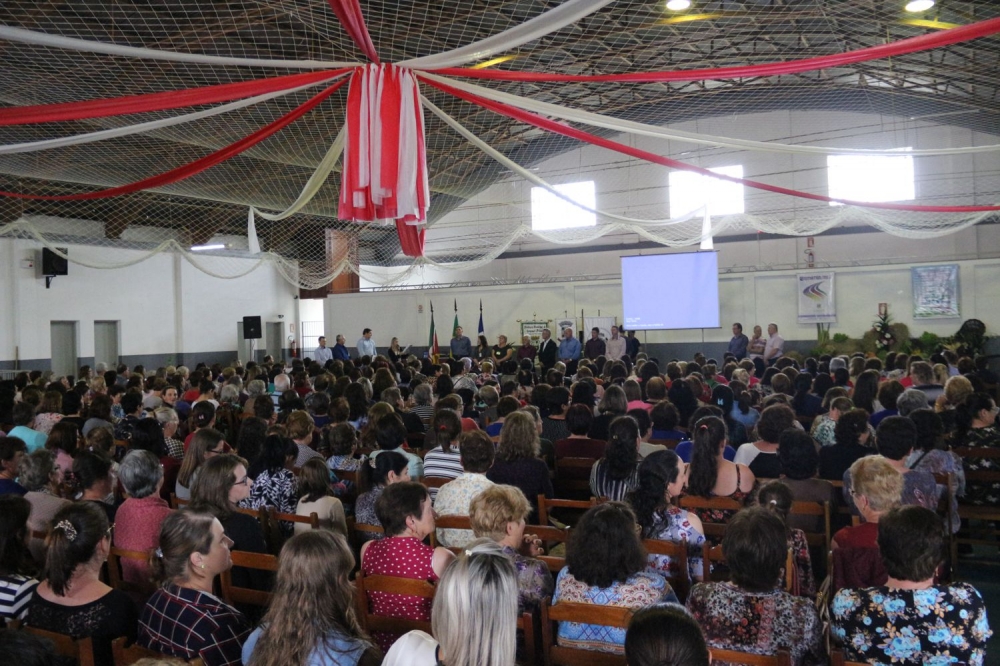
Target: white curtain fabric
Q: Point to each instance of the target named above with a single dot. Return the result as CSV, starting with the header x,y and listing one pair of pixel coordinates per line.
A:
x,y
555,19
13,34
116,132
641,129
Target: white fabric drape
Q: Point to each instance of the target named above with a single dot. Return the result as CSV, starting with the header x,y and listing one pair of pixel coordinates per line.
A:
x,y
116,132
641,129
13,34
312,186
555,19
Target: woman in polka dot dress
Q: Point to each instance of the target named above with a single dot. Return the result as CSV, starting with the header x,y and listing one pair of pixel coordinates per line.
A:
x,y
404,509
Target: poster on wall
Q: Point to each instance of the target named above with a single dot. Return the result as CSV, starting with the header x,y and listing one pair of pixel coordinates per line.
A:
x,y
603,324
816,298
563,324
935,291
533,329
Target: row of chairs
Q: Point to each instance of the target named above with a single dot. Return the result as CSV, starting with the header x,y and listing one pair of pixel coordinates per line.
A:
x,y
81,650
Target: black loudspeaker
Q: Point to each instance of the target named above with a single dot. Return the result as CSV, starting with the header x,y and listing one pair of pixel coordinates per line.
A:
x,y
52,263
251,328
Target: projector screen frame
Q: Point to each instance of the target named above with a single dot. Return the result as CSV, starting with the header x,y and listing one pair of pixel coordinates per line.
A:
x,y
628,310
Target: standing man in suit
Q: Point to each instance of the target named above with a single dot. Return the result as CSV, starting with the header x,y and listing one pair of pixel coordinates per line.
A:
x,y
547,350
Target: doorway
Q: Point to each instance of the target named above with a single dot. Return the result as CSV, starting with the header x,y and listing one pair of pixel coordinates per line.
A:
x,y
274,338
106,343
63,338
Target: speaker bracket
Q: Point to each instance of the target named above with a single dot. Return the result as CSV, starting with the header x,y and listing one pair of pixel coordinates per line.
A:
x,y
49,279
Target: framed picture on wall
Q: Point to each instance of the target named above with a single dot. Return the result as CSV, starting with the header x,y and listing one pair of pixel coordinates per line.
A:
x,y
935,291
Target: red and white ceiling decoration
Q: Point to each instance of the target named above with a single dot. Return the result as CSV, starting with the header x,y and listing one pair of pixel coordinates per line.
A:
x,y
384,175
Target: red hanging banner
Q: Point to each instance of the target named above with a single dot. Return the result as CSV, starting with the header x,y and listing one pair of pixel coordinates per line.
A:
x,y
174,99
566,130
353,20
188,170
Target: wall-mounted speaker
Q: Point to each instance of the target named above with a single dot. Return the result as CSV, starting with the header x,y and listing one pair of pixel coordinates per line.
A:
x,y
252,328
53,264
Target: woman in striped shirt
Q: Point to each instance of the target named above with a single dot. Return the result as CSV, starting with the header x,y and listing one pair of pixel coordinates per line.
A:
x,y
617,474
444,460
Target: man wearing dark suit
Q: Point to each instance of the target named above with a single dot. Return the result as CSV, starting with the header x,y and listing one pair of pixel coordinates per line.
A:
x,y
547,350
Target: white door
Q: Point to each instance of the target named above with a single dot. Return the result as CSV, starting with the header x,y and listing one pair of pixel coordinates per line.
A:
x,y
106,343
64,347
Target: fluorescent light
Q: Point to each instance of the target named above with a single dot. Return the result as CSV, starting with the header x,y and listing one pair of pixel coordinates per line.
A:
x,y
202,248
678,5
919,5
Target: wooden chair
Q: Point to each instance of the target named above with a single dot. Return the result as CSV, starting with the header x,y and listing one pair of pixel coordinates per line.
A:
x,y
232,594
558,655
358,533
987,534
80,650
178,503
714,530
435,481
748,658
273,533
355,478
816,539
712,555
115,579
545,505
678,553
526,625
449,523
573,475
372,622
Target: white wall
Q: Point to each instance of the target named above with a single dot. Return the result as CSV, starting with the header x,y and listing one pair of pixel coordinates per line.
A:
x,y
165,305
750,297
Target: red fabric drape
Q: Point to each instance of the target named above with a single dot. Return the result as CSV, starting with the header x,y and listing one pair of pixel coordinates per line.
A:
x,y
411,238
565,130
174,99
188,170
349,13
911,45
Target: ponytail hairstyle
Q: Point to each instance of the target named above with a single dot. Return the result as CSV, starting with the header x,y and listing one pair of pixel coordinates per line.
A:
x,y
74,534
968,410
657,471
707,436
776,497
622,453
741,396
181,533
446,426
378,468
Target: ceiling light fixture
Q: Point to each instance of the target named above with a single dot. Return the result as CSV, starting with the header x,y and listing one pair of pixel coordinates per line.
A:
x,y
202,248
678,5
915,6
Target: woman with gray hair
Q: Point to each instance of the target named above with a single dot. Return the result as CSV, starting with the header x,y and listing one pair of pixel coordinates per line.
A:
x,y
911,400
40,476
169,421
137,523
474,618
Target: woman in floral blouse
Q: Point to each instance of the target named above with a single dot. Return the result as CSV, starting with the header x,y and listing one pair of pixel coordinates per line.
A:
x,y
909,620
977,429
752,613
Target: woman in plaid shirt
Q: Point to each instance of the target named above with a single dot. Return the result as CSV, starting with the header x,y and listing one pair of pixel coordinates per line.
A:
x,y
183,618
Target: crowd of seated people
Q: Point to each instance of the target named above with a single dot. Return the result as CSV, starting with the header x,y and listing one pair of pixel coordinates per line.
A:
x,y
867,437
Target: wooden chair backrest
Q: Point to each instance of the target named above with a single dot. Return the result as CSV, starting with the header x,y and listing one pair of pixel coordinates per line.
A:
x,y
125,655
80,649
573,482
556,655
409,586
353,476
449,523
837,658
678,553
545,505
972,452
815,509
178,503
233,594
435,481
750,659
312,520
115,580
712,555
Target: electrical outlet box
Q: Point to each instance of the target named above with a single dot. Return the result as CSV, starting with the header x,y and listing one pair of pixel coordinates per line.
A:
x,y
28,263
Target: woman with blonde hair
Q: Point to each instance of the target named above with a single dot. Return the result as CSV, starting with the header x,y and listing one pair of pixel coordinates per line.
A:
x,y
315,497
474,617
311,619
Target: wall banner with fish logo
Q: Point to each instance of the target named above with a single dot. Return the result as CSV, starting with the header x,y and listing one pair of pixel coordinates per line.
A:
x,y
816,301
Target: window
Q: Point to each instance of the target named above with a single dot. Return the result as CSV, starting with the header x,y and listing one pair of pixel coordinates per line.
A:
x,y
690,191
871,178
551,213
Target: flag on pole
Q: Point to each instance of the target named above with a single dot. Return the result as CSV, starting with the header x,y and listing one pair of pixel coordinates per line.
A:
x,y
482,331
455,325
432,342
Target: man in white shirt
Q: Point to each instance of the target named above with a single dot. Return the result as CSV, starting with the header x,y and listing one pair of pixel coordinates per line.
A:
x,y
775,345
616,345
366,345
323,353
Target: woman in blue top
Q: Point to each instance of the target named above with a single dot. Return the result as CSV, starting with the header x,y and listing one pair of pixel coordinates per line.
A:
x,y
311,621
